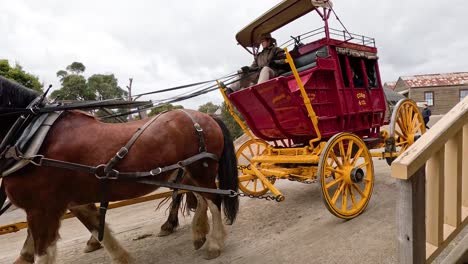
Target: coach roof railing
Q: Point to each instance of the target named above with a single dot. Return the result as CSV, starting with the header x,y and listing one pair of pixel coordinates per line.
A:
x,y
336,34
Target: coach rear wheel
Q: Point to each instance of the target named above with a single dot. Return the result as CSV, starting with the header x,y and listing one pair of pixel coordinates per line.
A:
x,y
406,126
252,148
346,175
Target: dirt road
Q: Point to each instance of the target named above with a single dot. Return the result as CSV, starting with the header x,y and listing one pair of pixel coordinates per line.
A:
x,y
298,230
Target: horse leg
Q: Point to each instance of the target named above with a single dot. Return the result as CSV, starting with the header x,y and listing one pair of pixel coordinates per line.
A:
x,y
92,245
172,221
44,225
200,225
217,235
89,216
27,252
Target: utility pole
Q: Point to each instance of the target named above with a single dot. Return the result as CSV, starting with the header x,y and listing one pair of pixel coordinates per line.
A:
x,y
129,87
143,113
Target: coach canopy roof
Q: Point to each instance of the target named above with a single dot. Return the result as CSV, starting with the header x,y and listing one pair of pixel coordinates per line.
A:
x,y
278,16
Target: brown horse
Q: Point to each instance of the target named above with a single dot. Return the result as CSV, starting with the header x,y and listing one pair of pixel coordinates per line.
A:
x,y
45,193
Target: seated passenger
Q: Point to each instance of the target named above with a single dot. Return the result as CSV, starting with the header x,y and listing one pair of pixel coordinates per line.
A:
x,y
268,64
357,81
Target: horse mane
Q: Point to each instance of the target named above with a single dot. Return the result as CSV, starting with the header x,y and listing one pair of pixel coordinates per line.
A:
x,y
13,94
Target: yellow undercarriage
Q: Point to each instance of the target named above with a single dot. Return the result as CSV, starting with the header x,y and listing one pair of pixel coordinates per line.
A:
x,y
298,164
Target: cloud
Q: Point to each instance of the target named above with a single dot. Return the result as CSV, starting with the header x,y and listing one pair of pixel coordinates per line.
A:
x,y
162,44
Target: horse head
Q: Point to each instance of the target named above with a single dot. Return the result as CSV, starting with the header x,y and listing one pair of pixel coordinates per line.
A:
x,y
13,95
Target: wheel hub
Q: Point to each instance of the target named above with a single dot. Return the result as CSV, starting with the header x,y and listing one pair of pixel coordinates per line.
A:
x,y
357,174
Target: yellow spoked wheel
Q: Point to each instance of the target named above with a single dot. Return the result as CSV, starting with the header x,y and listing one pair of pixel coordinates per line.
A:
x,y
406,126
244,154
346,175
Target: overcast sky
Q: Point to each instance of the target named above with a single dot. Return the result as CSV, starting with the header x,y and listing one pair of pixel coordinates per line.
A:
x,y
166,43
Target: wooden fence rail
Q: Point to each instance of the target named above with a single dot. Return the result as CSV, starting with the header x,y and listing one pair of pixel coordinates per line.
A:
x,y
432,204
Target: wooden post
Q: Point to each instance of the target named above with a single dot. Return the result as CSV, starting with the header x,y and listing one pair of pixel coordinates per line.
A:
x,y
411,218
435,199
453,173
465,167
143,114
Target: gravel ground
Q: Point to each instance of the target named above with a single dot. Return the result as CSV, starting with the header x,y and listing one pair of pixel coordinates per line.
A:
x,y
297,230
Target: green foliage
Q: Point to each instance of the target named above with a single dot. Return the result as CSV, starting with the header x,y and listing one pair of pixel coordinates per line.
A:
x,y
73,88
208,108
105,86
62,74
19,75
76,87
162,108
232,125
76,68
227,118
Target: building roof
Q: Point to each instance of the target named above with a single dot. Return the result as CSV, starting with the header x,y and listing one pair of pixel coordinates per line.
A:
x,y
440,79
390,85
391,96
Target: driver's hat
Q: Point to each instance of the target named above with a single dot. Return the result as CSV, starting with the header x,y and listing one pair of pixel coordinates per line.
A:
x,y
264,36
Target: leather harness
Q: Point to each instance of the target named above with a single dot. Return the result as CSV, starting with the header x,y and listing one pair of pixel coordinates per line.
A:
x,y
106,172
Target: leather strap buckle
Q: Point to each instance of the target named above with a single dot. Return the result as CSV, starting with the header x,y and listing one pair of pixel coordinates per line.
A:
x,y
198,127
156,171
122,152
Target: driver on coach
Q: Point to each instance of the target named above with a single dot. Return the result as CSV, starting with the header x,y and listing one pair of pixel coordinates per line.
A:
x,y
268,64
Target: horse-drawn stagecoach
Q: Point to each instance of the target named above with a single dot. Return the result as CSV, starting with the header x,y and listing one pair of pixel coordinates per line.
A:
x,y
319,120
315,122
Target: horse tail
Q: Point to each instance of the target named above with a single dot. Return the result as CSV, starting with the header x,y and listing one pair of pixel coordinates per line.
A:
x,y
227,173
3,198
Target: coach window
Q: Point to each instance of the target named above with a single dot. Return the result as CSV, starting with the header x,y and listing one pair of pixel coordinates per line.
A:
x,y
371,73
356,71
344,73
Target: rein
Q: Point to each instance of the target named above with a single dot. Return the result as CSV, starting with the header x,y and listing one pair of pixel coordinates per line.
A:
x,y
37,110
228,80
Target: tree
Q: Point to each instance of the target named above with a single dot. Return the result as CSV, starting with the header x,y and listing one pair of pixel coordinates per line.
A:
x,y
227,118
76,87
19,75
76,68
232,125
105,86
165,107
62,74
208,108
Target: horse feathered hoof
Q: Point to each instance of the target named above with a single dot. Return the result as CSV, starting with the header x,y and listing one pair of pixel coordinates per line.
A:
x,y
92,246
199,243
164,233
22,260
227,221
212,254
